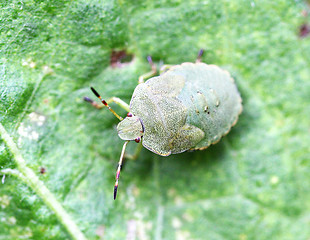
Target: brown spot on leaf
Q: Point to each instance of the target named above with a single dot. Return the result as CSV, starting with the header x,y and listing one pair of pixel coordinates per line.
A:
x,y
304,30
42,170
120,59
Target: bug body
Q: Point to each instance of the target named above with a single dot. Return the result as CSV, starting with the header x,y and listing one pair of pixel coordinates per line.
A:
x,y
190,106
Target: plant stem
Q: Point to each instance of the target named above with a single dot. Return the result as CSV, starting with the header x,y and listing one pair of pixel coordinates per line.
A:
x,y
38,186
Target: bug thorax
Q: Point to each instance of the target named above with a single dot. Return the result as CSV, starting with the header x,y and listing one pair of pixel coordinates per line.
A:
x,y
131,128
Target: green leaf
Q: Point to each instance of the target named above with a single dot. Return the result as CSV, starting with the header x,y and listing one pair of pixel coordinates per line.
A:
x,y
253,184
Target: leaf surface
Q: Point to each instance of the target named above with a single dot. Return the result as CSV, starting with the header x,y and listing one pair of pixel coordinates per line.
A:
x,y
253,184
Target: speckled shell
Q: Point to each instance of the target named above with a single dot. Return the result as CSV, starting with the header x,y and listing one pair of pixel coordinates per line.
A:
x,y
190,106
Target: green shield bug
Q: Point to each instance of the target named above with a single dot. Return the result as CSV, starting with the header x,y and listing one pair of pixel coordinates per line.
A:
x,y
187,107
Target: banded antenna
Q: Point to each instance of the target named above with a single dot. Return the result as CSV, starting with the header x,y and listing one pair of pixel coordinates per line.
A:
x,y
105,103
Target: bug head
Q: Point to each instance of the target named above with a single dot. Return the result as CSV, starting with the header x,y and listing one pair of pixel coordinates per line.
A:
x,y
130,128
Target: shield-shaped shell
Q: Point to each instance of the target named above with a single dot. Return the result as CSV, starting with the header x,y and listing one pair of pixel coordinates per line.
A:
x,y
190,106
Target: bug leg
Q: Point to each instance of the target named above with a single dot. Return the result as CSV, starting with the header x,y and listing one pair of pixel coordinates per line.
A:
x,y
116,100
200,53
148,74
119,102
165,68
136,153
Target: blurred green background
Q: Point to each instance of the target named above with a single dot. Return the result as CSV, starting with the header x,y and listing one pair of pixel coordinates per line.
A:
x,y
253,184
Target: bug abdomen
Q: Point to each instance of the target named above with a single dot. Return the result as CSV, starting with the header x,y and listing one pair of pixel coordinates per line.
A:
x,y
212,100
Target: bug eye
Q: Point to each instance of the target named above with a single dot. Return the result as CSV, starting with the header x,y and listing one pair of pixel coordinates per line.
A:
x,y
138,139
129,114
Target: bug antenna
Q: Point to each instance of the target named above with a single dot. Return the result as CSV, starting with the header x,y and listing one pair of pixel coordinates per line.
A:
x,y
105,103
119,167
200,53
